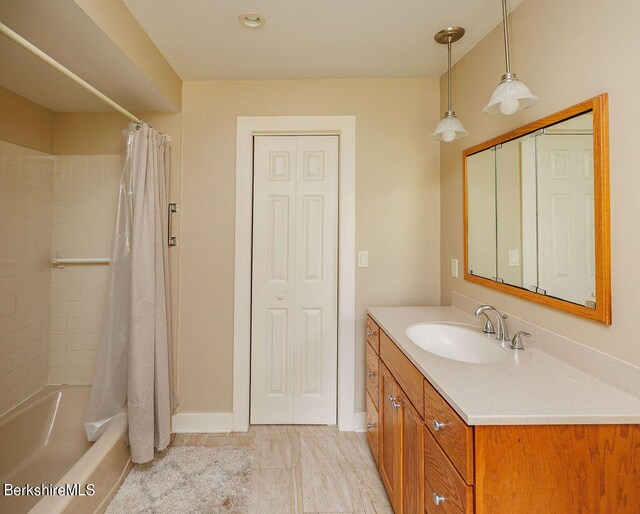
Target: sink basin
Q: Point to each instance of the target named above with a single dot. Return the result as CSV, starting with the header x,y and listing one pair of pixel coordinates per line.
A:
x,y
457,342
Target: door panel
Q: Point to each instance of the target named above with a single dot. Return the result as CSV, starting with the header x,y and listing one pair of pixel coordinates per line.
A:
x,y
390,436
272,317
412,459
565,217
316,280
294,283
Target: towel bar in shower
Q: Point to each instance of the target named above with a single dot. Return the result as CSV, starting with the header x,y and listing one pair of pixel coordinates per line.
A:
x,y
62,261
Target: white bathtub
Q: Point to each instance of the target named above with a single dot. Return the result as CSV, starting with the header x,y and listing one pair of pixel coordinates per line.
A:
x,y
42,441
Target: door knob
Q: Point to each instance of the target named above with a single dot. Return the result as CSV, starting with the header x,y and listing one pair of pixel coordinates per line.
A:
x,y
280,296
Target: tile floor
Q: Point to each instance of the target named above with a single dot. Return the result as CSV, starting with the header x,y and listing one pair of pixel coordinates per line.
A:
x,y
306,469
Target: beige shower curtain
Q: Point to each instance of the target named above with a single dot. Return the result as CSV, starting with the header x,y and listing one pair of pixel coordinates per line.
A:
x,y
149,386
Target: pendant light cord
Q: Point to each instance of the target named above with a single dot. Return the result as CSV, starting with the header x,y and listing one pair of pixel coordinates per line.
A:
x,y
505,28
449,78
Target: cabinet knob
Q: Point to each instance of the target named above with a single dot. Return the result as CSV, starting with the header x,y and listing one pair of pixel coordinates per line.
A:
x,y
438,425
437,499
396,405
371,373
391,399
370,426
370,333
280,296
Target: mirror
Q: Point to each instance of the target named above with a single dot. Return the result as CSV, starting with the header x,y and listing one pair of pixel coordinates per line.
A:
x,y
537,211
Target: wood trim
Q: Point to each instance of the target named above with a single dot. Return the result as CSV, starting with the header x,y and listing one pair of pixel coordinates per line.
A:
x,y
600,107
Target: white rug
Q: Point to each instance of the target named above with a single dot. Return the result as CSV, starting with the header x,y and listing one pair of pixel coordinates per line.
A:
x,y
188,480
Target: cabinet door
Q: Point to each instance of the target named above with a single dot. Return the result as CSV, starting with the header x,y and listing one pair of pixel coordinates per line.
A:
x,y
390,438
412,459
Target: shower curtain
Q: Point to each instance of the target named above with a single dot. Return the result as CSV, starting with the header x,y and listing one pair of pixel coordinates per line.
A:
x,y
134,363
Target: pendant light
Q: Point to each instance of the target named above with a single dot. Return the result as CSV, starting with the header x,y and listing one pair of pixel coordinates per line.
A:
x,y
511,95
449,128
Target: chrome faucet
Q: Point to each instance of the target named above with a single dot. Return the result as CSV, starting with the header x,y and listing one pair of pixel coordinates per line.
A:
x,y
503,331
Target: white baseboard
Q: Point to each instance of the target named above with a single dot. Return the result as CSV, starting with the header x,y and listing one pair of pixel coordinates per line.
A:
x,y
212,422
357,423
202,422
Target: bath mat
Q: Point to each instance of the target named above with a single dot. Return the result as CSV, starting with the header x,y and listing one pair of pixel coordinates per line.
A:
x,y
188,480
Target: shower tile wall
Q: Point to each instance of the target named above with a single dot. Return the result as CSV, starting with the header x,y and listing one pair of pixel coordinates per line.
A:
x,y
26,195
84,210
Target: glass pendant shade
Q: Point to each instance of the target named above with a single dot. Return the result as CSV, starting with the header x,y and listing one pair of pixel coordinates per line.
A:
x,y
449,128
510,96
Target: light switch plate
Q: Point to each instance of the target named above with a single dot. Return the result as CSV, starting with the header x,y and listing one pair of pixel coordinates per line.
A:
x,y
514,258
363,259
454,268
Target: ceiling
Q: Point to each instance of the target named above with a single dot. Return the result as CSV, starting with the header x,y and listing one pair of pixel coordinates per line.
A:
x,y
203,40
61,29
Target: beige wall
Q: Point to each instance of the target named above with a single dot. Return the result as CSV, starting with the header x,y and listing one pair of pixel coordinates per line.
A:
x,y
397,209
565,52
117,22
25,123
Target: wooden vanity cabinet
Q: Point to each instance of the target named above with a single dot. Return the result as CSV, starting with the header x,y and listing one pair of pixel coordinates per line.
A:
x,y
432,462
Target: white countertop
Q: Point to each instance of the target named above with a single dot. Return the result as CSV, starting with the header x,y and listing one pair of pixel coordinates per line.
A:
x,y
539,390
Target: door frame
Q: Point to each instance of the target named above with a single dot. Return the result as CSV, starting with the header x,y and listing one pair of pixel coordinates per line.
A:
x,y
246,128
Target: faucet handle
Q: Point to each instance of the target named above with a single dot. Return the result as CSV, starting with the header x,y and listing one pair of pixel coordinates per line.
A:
x,y
488,326
516,340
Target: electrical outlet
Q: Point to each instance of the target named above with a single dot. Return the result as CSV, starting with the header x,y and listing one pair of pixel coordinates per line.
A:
x,y
363,259
454,268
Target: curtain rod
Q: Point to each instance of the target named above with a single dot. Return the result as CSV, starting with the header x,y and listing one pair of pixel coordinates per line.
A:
x,y
17,38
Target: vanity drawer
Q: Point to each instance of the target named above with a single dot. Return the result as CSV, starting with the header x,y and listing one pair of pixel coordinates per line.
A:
x,y
373,334
405,373
453,434
372,427
372,374
442,480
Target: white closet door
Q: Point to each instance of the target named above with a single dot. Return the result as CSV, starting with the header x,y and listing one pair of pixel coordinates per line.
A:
x,y
294,301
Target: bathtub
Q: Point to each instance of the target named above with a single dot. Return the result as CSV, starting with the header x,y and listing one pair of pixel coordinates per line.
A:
x,y
42,441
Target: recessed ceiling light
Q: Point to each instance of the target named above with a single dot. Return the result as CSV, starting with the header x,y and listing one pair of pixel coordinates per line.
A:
x,y
253,20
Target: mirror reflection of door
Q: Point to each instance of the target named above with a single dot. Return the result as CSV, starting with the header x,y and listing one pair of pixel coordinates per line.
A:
x,y
530,212
566,257
481,214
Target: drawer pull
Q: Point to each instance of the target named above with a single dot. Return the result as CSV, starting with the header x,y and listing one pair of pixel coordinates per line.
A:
x,y
437,499
437,425
370,333
370,426
391,399
396,405
371,373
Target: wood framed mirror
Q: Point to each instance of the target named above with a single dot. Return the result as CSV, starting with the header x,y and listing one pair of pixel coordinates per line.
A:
x,y
536,211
